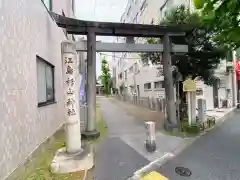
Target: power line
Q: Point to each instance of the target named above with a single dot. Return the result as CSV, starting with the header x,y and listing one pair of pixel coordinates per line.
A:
x,y
118,56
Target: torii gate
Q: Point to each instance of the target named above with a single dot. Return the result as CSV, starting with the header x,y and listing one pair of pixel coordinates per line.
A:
x,y
92,29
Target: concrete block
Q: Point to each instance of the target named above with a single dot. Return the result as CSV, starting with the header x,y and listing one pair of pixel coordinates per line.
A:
x,y
64,162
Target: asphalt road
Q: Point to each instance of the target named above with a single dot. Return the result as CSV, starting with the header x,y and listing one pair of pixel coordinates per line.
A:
x,y
115,160
214,156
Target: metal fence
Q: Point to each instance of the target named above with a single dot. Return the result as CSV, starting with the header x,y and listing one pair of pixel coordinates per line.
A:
x,y
156,104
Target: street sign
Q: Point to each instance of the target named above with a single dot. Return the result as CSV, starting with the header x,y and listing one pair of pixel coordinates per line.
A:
x,y
189,85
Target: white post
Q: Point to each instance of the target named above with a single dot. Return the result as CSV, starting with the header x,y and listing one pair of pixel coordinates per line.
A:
x,y
189,107
191,98
234,81
151,136
70,76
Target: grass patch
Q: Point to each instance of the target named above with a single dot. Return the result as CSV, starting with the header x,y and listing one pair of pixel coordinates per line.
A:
x,y
100,124
194,129
38,166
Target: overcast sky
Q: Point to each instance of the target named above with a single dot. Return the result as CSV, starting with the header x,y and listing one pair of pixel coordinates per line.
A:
x,y
100,10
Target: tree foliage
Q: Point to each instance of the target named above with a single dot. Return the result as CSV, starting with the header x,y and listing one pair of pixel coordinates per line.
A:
x,y
105,77
224,17
203,56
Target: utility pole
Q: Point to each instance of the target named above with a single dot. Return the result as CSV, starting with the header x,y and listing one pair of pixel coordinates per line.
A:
x,y
168,81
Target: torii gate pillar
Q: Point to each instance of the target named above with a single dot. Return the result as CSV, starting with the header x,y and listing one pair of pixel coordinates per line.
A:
x,y
91,131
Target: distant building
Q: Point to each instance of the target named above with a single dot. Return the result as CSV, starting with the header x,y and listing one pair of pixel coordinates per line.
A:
x,y
146,80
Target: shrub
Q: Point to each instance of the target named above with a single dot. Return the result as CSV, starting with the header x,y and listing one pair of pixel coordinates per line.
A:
x,y
193,129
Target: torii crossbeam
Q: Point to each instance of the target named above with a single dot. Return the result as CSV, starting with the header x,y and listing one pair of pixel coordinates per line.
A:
x,y
93,29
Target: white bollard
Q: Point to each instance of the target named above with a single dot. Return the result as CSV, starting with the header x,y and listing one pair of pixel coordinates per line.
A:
x,y
151,136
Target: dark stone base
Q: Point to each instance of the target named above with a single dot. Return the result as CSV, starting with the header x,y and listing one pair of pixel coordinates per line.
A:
x,y
238,105
150,146
91,135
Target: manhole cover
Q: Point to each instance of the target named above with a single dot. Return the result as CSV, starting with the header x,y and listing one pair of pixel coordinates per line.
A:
x,y
182,171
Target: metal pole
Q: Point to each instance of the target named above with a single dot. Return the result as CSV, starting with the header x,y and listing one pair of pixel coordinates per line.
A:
x,y
234,81
178,99
70,69
168,80
91,131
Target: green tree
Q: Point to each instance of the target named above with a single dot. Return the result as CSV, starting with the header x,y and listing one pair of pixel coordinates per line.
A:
x,y
224,17
105,77
203,56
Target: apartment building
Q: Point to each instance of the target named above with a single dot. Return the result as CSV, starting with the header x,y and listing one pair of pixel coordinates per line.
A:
x,y
139,78
146,80
31,93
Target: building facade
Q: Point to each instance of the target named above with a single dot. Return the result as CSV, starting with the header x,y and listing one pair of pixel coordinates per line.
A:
x,y
146,80
31,87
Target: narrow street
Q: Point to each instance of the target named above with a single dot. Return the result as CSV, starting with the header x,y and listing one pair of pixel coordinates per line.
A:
x,y
123,152
214,156
114,158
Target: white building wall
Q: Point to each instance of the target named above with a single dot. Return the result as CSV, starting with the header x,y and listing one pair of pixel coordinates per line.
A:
x,y
27,30
142,12
151,14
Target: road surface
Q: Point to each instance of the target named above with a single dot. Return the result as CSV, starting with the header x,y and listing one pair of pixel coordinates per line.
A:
x,y
214,156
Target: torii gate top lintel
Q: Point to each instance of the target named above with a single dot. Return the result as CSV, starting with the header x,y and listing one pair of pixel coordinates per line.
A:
x,y
81,27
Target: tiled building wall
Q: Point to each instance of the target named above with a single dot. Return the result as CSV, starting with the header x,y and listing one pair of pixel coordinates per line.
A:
x,y
27,30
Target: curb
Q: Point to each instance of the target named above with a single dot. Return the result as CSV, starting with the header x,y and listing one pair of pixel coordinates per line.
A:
x,y
153,165
156,164
220,121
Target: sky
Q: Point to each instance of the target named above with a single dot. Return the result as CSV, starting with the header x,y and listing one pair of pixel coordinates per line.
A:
x,y
100,10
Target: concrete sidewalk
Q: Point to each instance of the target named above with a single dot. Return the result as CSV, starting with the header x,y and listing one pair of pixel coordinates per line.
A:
x,y
218,113
123,152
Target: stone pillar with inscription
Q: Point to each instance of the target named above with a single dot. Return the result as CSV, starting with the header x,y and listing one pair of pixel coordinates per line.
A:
x,y
72,157
70,72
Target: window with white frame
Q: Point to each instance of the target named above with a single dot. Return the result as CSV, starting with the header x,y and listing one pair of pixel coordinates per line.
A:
x,y
48,4
147,86
45,82
158,85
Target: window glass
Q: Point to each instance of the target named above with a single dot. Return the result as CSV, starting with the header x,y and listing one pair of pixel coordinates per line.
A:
x,y
147,86
158,84
45,82
41,81
49,83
